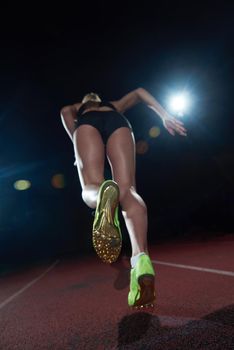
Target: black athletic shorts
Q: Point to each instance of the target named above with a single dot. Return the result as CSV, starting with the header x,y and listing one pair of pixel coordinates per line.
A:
x,y
106,122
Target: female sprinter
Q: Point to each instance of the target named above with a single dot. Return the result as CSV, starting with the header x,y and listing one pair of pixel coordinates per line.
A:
x,y
97,129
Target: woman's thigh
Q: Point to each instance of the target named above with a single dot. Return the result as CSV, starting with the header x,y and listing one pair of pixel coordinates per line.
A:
x,y
90,155
121,156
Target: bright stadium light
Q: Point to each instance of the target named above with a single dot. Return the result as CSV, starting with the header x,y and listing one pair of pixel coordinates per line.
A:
x,y
179,103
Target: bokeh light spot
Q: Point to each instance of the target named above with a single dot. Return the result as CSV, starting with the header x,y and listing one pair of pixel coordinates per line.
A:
x,y
142,147
154,131
58,181
22,185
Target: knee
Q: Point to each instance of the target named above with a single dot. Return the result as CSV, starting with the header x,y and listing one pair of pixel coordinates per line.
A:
x,y
131,200
90,193
124,191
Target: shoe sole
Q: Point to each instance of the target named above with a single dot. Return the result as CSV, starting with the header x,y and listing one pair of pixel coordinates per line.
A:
x,y
107,239
147,292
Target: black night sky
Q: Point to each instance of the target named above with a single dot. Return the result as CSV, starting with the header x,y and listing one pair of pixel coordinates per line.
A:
x,y
52,57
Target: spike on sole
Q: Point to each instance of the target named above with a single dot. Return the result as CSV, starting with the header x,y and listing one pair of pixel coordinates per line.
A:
x,y
107,239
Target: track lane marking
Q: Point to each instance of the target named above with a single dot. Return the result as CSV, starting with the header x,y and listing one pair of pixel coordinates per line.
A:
x,y
28,285
203,269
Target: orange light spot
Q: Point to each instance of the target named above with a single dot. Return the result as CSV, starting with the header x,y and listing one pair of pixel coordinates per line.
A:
x,y
142,147
154,132
58,181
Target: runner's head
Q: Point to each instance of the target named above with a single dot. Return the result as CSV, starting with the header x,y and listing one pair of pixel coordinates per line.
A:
x,y
91,96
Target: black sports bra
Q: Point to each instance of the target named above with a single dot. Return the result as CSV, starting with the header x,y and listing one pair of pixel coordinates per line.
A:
x,y
101,104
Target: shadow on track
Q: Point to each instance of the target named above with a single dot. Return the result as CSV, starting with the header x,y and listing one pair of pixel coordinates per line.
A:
x,y
142,330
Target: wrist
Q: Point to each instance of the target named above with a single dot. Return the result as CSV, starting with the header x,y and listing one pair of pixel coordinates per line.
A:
x,y
162,114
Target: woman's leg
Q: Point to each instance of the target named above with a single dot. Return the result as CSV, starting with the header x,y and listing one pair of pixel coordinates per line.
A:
x,y
121,156
90,157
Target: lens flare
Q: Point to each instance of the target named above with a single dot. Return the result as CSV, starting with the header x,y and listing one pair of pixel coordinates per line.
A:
x,y
22,185
154,132
58,181
142,147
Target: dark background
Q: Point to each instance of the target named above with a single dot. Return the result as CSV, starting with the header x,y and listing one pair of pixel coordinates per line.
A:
x,y
52,57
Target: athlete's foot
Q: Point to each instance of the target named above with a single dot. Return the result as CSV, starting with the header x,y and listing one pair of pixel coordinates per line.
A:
x,y
142,289
107,238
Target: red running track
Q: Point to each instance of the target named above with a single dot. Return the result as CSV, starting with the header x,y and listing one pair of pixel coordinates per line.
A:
x,y
75,303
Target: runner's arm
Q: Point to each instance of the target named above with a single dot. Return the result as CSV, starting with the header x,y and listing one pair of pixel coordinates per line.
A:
x,y
68,116
139,95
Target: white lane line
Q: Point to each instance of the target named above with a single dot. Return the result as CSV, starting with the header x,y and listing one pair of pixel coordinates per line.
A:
x,y
8,300
203,269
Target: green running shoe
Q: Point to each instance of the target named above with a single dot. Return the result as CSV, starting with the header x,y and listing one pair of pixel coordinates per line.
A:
x,y
107,238
142,290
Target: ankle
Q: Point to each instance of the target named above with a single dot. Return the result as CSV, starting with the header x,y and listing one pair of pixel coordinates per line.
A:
x,y
134,259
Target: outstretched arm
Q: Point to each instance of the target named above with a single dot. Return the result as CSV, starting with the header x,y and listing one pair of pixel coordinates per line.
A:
x,y
141,95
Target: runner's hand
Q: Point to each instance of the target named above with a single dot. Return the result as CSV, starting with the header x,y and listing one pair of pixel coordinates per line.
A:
x,y
173,125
